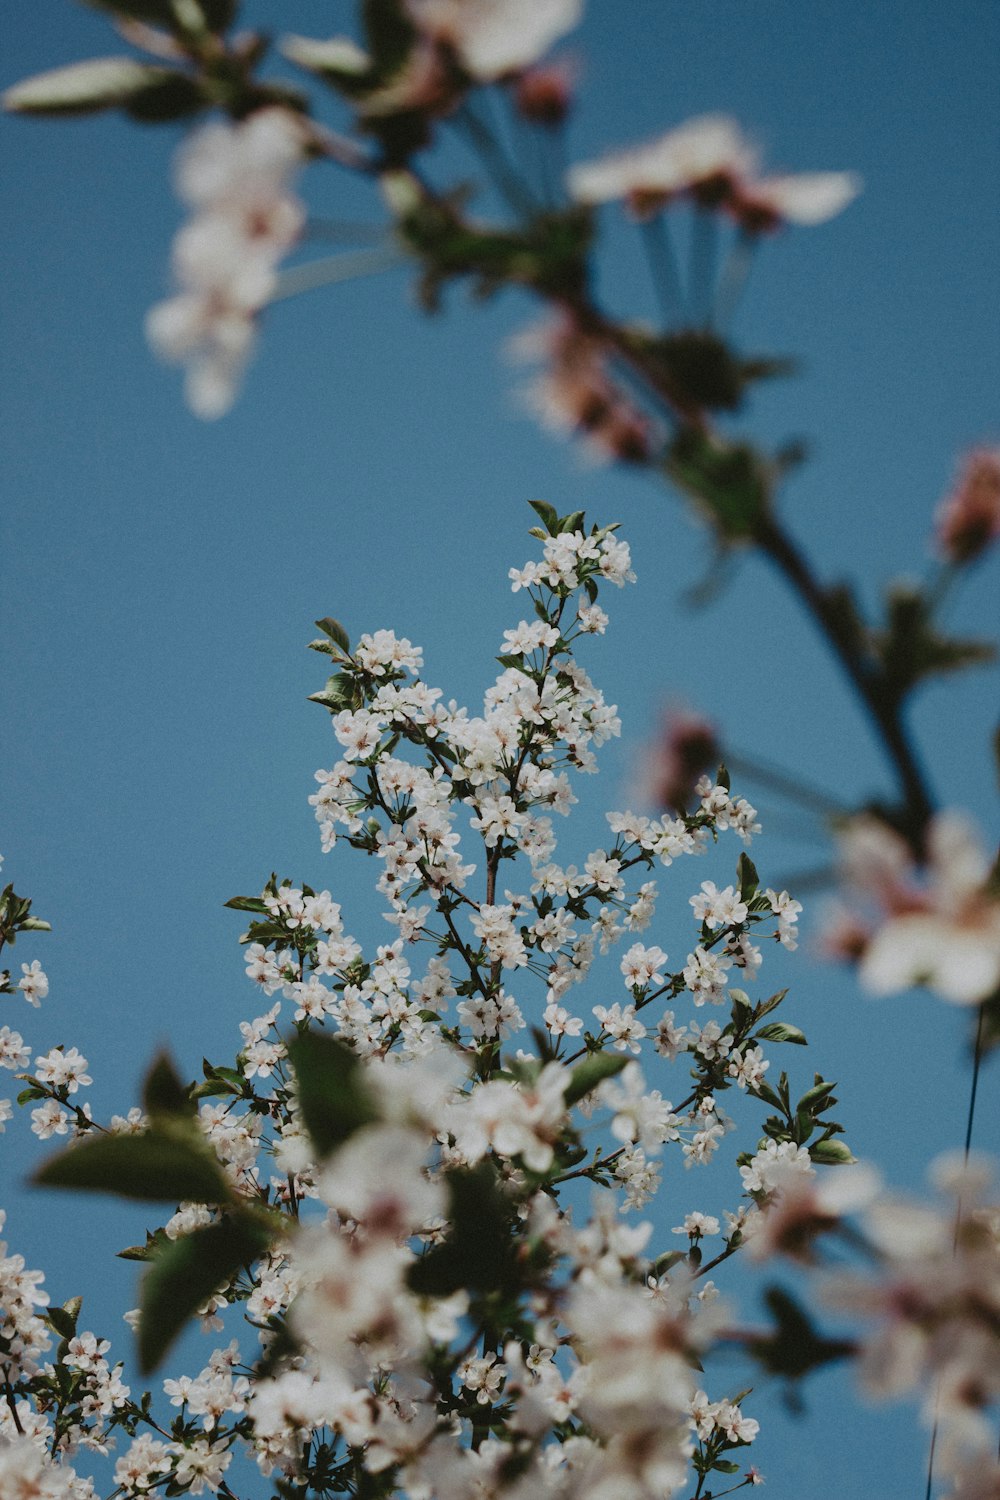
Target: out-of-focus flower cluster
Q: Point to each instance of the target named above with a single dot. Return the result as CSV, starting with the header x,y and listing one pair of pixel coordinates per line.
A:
x,y
238,179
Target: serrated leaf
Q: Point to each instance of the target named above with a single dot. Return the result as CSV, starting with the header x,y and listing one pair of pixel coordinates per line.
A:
x,y
832,1153
63,1319
725,1466
591,1071
781,1031
186,1272
34,924
84,87
155,1166
332,1094
772,1003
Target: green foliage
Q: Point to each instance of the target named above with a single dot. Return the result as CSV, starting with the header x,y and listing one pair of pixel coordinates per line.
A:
x,y
185,1272
781,1031
731,482
795,1347
332,1095
159,1165
591,1071
910,647
478,1253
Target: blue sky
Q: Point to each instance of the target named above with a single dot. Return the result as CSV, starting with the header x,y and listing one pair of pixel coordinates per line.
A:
x,y
162,575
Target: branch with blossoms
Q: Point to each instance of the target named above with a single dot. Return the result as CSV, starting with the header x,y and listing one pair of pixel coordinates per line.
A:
x,y
389,1187
384,1186
478,75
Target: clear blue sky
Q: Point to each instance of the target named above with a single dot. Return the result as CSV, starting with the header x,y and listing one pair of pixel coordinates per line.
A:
x,y
161,575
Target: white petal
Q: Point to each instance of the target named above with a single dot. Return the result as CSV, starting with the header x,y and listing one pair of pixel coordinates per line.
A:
x,y
808,197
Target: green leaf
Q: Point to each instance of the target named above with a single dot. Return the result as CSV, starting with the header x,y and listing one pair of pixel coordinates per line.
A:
x,y
725,1466
332,1094
85,87
548,514
911,648
572,522
34,924
247,903
187,1271
766,1006
157,1166
795,1347
832,1153
591,1071
746,874
818,1094
64,1319
731,482
781,1031
336,632
163,1093
478,1251
341,691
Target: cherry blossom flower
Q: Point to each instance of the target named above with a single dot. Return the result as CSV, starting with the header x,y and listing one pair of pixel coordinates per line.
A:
x,y
968,519
237,178
494,38
942,932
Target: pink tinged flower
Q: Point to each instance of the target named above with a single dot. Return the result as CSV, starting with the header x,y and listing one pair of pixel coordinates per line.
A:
x,y
495,38
968,520
577,393
946,934
806,1206
804,198
705,157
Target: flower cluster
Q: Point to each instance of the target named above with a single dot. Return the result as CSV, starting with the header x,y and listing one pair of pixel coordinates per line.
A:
x,y
238,180
382,1181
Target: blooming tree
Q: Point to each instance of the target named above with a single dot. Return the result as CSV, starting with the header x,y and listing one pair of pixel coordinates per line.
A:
x,y
390,1182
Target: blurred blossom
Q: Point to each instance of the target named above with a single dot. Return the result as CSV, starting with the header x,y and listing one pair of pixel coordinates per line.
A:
x,y
968,519
576,392
804,198
237,178
932,1308
709,159
685,747
942,930
807,1206
705,156
494,38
